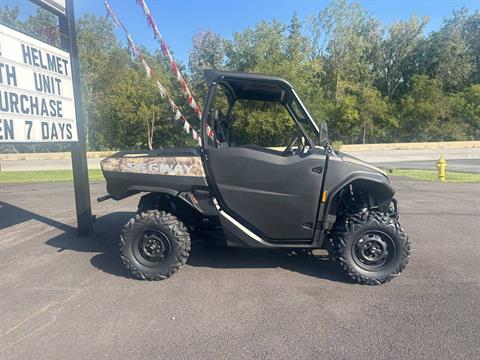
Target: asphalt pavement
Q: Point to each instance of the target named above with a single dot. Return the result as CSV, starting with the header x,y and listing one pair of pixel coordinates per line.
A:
x,y
63,297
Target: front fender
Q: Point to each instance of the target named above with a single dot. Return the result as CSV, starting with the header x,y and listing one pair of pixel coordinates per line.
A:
x,y
343,173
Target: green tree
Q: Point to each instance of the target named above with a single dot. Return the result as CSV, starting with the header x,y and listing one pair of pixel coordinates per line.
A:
x,y
447,54
102,61
424,113
471,30
135,117
398,53
207,52
466,111
275,49
343,34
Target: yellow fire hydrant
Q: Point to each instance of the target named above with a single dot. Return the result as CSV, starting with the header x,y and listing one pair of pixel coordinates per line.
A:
x,y
442,168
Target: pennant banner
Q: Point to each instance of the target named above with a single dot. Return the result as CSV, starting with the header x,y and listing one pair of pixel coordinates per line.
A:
x,y
173,65
150,73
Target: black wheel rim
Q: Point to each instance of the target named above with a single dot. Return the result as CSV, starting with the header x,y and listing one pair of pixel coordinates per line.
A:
x,y
373,250
152,247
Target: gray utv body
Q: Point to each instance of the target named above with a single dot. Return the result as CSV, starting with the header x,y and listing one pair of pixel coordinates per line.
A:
x,y
256,196
259,197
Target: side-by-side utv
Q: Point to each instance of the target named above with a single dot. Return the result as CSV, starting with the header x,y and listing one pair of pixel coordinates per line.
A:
x,y
290,190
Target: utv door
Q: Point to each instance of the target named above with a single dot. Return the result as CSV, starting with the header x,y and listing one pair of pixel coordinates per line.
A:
x,y
275,196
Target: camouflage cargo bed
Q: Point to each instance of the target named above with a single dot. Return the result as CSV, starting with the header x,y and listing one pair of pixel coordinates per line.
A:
x,y
170,170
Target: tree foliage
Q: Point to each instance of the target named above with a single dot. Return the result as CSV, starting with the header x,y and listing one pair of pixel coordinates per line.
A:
x,y
369,81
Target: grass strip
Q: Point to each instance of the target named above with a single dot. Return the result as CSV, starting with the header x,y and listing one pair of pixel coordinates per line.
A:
x,y
45,176
432,175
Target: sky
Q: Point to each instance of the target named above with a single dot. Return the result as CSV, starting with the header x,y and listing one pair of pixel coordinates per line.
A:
x,y
179,20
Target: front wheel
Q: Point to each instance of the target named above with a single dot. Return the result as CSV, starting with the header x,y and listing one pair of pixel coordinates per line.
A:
x,y
154,244
371,248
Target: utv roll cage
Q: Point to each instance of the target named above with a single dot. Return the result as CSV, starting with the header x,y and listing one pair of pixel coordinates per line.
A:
x,y
247,86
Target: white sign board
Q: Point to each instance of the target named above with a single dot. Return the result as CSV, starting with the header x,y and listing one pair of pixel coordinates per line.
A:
x,y
36,91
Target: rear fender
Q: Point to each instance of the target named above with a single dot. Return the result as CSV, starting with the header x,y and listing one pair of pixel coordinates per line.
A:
x,y
192,208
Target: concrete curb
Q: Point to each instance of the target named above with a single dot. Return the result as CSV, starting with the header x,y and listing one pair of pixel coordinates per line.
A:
x,y
352,147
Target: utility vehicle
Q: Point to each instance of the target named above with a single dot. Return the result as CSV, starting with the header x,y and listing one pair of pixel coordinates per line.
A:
x,y
290,190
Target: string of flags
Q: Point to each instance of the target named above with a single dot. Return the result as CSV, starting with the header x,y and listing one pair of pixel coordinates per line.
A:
x,y
166,52
173,65
150,73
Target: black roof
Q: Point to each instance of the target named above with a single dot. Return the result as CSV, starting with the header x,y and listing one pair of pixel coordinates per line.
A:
x,y
249,85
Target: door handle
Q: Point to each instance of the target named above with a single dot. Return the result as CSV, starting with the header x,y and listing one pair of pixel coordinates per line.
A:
x,y
317,170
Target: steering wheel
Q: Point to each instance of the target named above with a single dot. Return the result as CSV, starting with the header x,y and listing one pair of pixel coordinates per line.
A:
x,y
289,147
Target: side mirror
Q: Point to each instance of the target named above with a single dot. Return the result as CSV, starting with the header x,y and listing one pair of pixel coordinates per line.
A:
x,y
323,134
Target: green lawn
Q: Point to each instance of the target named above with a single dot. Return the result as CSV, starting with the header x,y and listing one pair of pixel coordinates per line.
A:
x,y
44,175
431,175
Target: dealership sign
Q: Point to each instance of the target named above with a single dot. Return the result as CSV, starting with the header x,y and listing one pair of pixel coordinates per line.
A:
x,y
36,91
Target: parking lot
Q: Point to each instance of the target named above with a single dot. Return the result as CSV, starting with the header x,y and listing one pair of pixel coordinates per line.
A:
x,y
67,297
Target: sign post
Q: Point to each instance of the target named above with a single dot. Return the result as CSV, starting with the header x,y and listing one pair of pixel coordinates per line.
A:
x,y
40,98
79,156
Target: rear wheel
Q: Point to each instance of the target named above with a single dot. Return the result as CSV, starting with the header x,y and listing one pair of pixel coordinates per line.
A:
x,y
154,245
371,248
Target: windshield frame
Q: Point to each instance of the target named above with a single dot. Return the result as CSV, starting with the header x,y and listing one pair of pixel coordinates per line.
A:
x,y
286,102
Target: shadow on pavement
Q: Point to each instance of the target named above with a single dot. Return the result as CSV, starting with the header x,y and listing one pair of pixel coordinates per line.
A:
x,y
107,228
208,255
11,215
104,241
